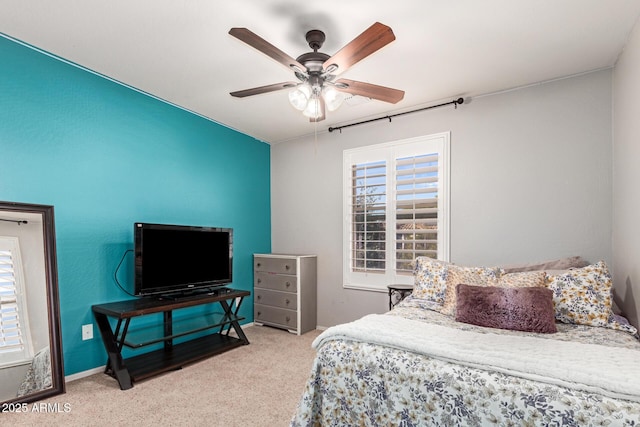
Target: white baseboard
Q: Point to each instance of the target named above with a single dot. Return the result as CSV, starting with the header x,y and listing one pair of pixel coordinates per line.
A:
x,y
83,374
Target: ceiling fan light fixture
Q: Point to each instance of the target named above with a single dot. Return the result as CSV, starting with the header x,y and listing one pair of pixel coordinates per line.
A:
x,y
313,109
333,98
299,97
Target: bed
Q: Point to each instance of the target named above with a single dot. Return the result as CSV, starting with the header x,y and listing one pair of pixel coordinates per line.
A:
x,y
418,366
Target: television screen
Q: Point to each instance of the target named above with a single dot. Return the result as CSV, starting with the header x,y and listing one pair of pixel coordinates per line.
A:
x,y
178,258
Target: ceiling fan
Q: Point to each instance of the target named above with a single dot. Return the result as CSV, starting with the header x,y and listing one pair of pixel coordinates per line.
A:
x,y
317,87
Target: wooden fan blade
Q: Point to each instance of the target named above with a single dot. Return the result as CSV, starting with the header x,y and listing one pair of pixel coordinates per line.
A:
x,y
257,42
373,38
369,90
263,89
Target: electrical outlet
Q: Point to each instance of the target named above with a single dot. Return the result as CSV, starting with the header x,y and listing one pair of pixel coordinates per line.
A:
x,y
87,332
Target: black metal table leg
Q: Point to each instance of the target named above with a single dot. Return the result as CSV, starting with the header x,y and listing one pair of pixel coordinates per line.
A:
x,y
110,342
234,323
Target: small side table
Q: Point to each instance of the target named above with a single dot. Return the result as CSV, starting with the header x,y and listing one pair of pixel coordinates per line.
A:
x,y
398,292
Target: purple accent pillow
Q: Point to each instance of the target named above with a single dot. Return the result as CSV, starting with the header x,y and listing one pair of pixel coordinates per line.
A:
x,y
519,309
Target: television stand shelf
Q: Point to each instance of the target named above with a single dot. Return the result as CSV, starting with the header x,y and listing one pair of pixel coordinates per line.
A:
x,y
170,356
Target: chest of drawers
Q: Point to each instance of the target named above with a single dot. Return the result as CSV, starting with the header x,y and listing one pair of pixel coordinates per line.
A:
x,y
284,289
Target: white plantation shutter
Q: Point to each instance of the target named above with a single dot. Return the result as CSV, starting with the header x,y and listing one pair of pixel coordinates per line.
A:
x,y
14,346
369,207
416,209
395,209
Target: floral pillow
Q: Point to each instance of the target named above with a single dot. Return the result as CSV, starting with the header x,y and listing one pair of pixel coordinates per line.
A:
x,y
620,323
430,279
525,279
582,296
476,276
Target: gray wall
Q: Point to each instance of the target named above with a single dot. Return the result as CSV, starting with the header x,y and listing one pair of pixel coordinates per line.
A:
x,y
531,180
626,177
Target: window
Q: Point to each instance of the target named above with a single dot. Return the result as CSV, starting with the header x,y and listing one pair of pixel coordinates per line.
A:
x,y
396,205
14,342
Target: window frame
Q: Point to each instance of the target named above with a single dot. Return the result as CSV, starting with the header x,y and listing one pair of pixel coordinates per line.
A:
x,y
390,152
24,354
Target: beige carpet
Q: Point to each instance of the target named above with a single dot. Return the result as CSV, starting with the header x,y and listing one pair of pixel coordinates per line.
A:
x,y
255,385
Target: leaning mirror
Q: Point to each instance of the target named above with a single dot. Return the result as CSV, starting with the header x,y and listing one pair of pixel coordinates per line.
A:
x,y
30,348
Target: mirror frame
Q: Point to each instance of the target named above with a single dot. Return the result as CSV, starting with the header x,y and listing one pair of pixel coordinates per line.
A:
x,y
53,299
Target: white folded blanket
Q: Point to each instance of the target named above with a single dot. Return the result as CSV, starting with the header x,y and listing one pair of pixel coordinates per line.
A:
x,y
610,371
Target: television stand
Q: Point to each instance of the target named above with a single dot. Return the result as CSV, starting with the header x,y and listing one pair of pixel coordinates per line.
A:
x,y
194,294
171,356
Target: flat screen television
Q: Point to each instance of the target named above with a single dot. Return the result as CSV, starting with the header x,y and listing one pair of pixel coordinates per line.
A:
x,y
179,259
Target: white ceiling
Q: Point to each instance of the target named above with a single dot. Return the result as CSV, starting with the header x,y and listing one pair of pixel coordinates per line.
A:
x,y
180,50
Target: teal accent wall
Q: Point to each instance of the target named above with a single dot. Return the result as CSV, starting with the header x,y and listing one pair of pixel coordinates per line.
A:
x,y
105,156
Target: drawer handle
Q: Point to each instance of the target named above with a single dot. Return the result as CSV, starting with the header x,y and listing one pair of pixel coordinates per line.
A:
x,y
259,297
259,313
288,319
287,301
258,265
286,267
287,284
259,280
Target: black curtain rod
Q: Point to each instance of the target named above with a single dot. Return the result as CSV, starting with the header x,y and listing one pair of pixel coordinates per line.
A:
x,y
455,102
17,221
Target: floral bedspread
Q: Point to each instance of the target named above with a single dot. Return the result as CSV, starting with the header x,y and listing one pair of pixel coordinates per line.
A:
x,y
38,376
355,383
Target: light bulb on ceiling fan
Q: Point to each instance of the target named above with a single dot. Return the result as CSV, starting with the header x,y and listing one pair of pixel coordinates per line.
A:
x,y
313,110
332,97
299,97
